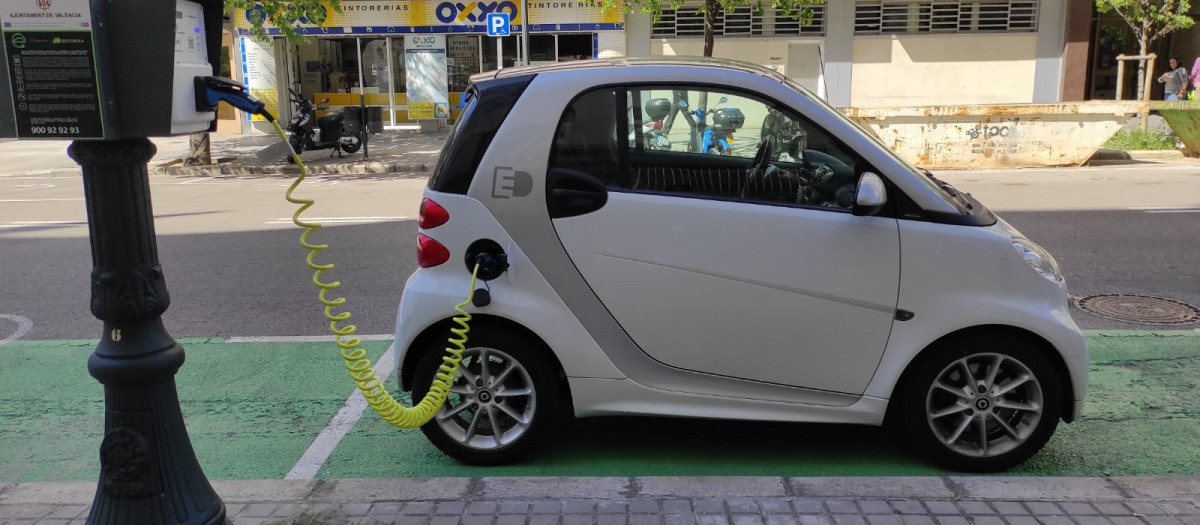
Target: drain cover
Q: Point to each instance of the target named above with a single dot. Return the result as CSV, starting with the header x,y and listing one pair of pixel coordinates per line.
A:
x,y
1142,309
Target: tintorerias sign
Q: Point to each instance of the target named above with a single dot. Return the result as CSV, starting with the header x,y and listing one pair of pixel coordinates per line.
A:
x,y
444,16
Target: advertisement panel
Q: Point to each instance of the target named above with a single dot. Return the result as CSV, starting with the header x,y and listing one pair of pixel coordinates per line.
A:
x,y
258,68
425,77
52,63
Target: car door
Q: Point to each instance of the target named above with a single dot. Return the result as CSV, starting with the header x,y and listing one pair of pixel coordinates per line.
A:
x,y
711,266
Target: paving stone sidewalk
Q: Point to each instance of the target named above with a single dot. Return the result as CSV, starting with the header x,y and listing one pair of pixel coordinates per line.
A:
x,y
668,501
399,151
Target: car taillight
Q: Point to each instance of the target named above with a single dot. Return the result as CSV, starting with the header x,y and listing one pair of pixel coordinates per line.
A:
x,y
430,253
432,214
658,125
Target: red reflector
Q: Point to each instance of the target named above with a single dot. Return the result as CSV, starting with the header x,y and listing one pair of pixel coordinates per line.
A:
x,y
432,215
430,253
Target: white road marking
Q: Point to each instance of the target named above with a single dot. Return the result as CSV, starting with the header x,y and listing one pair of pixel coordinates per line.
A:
x,y
1165,209
336,220
26,224
43,200
303,338
193,181
24,325
318,452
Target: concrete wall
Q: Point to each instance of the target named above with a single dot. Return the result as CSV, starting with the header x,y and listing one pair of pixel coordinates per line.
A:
x,y
771,52
910,70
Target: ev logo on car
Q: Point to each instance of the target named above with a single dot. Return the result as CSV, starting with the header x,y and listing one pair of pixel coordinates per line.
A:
x,y
508,183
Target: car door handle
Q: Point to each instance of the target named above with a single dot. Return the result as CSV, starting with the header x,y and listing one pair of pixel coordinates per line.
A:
x,y
565,195
572,193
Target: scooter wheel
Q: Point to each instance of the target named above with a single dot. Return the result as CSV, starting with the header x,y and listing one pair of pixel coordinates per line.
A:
x,y
351,148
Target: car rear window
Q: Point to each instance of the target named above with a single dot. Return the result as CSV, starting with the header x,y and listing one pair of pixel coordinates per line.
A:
x,y
486,109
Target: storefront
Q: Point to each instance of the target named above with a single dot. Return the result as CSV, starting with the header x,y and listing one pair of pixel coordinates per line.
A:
x,y
359,55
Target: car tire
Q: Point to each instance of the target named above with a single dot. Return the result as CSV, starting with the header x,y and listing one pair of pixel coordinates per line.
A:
x,y
1020,406
467,434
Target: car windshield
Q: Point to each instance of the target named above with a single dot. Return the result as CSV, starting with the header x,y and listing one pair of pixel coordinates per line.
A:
x,y
943,189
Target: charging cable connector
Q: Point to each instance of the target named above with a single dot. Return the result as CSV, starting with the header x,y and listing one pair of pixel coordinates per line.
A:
x,y
210,91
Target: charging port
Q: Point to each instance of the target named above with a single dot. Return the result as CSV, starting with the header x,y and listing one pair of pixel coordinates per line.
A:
x,y
491,258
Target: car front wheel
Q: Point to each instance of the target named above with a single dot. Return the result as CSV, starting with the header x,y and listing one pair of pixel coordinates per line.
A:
x,y
983,404
503,402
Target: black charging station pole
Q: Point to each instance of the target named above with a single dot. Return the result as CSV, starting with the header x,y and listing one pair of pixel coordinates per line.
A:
x,y
148,470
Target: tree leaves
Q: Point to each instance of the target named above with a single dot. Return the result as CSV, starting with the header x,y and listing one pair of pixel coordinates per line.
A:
x,y
285,15
795,9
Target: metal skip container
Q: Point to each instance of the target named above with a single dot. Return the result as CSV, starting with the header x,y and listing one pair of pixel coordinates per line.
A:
x,y
997,136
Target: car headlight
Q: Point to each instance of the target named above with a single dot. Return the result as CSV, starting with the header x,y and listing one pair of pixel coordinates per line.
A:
x,y
1038,258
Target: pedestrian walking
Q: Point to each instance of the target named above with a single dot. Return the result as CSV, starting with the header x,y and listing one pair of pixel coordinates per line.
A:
x,y
1176,80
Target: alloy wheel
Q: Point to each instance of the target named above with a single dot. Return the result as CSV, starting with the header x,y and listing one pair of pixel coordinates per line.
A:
x,y
984,405
492,403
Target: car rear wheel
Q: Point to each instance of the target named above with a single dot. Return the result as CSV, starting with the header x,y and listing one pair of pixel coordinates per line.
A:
x,y
503,402
982,404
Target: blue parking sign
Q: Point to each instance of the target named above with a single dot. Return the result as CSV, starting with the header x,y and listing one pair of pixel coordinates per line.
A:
x,y
498,24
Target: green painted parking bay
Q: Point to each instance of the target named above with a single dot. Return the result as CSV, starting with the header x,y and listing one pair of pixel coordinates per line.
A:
x,y
253,409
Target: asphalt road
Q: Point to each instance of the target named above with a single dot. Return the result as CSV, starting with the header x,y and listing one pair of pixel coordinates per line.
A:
x,y
234,267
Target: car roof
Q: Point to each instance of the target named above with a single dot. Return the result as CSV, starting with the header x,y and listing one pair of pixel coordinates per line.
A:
x,y
622,62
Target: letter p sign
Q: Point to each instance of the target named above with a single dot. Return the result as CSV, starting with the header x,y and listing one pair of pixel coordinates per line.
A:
x,y
497,24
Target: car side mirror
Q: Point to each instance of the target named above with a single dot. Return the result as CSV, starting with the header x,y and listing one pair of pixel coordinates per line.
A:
x,y
870,196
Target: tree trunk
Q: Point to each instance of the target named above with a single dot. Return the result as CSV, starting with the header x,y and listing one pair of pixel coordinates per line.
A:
x,y
199,150
1143,82
710,24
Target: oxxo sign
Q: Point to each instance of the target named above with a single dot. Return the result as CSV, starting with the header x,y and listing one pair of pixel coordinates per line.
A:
x,y
472,12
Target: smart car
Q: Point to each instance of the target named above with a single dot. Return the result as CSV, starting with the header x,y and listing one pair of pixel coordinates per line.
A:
x,y
808,274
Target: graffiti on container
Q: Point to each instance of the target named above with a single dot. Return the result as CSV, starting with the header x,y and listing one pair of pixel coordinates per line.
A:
x,y
988,140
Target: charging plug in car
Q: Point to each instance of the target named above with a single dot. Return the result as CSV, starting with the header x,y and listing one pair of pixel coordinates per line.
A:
x,y
492,262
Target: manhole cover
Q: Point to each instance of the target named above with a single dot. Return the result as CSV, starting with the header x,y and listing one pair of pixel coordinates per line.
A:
x,y
1142,309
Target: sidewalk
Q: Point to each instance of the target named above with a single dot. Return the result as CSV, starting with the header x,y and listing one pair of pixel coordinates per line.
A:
x,y
389,152
947,500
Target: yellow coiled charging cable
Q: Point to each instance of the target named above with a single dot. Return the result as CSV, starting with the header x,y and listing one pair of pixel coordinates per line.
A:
x,y
352,352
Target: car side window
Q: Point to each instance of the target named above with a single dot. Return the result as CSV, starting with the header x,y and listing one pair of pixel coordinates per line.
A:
x,y
586,137
706,143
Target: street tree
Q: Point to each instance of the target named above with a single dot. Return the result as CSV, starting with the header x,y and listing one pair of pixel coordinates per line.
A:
x,y
1150,20
285,15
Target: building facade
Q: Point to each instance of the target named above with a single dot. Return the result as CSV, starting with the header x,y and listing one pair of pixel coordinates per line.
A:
x,y
859,53
358,56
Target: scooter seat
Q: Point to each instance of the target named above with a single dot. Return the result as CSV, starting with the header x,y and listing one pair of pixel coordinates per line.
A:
x,y
331,119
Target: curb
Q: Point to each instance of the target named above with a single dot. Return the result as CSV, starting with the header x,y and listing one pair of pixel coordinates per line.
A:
x,y
327,169
948,488
1171,154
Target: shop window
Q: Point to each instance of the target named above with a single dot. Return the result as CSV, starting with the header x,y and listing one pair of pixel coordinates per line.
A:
x,y
873,17
462,60
574,47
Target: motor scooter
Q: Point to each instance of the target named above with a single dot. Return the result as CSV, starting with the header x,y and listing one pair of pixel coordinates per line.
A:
x,y
332,129
717,139
652,131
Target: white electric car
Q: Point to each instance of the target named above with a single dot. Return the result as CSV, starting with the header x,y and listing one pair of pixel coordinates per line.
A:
x,y
800,271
